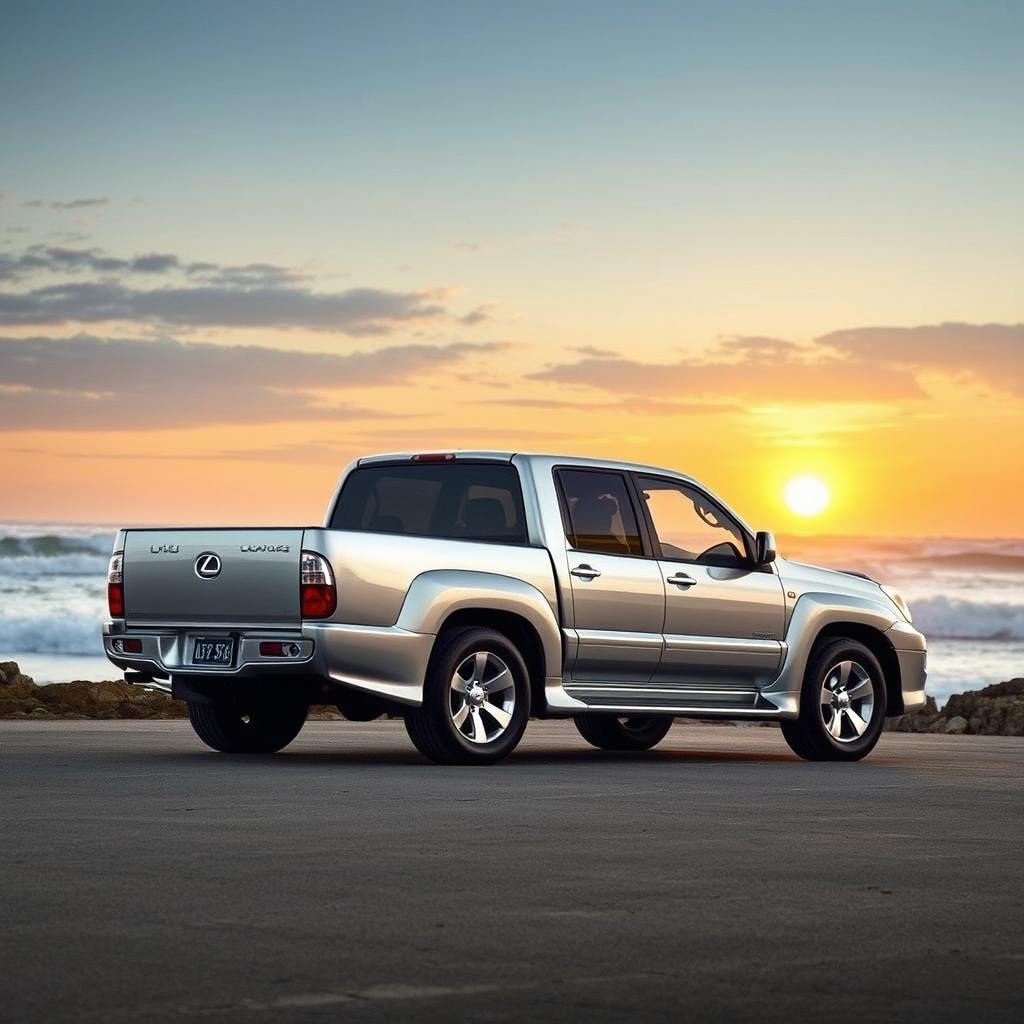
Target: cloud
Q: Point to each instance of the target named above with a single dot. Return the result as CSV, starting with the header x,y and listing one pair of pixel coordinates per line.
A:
x,y
70,204
750,369
652,406
356,311
863,369
467,437
593,350
91,383
52,259
201,294
477,316
246,275
991,353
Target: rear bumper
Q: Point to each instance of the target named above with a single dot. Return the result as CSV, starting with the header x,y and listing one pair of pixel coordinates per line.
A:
x,y
168,652
384,660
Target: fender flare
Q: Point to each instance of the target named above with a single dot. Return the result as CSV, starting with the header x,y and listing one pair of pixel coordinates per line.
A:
x,y
435,594
811,614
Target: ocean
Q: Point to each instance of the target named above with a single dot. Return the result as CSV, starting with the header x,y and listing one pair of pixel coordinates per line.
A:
x,y
967,596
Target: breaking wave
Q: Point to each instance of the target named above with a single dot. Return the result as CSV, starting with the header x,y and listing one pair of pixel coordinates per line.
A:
x,y
953,618
56,633
51,555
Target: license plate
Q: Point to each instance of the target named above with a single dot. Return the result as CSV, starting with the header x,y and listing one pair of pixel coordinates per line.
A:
x,y
208,650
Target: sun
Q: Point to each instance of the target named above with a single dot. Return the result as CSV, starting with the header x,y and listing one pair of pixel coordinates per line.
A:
x,y
807,495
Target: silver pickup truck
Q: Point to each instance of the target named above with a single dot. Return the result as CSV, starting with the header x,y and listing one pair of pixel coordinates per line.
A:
x,y
468,591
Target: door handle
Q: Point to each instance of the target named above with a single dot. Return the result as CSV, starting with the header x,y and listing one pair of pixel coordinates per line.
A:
x,y
585,572
680,579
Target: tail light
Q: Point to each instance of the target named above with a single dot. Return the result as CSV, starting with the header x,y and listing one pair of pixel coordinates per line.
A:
x,y
319,596
115,585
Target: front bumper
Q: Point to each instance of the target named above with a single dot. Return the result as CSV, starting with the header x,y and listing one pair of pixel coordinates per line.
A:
x,y
911,649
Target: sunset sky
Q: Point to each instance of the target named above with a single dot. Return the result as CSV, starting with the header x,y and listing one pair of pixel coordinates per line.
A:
x,y
241,244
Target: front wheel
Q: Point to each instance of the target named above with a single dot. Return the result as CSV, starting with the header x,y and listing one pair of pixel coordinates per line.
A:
x,y
476,699
842,704
623,732
237,724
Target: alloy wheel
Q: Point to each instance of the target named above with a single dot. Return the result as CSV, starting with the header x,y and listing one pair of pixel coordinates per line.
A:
x,y
482,697
847,701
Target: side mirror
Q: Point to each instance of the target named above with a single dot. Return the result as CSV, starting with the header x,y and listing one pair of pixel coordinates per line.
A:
x,y
764,547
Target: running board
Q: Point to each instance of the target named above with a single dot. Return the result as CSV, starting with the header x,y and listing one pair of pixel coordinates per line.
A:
x,y
678,700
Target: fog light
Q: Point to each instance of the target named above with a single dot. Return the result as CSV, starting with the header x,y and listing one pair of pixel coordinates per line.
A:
x,y
118,646
293,650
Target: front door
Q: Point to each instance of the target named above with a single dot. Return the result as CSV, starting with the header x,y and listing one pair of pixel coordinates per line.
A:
x,y
617,592
724,617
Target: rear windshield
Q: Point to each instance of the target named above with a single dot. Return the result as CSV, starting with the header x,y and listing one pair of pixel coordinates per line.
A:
x,y
454,500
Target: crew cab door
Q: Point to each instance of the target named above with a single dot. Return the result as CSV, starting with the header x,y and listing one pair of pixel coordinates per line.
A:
x,y
724,616
617,593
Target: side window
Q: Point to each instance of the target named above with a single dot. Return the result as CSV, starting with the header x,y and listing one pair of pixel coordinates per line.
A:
x,y
689,527
598,513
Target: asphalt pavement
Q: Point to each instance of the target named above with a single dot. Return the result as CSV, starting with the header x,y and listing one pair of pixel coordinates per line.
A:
x,y
145,878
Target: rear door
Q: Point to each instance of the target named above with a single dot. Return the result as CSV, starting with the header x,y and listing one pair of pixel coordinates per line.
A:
x,y
617,593
233,578
723,616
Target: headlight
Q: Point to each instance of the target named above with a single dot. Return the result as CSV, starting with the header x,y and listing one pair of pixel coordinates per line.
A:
x,y
901,606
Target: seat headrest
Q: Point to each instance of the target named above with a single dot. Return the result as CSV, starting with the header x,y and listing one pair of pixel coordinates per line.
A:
x,y
483,516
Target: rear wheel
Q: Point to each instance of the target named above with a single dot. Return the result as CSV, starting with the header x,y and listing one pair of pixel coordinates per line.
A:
x,y
623,732
237,724
842,704
476,700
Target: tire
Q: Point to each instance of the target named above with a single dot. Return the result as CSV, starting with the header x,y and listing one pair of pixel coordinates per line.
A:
x,y
247,725
623,732
476,699
842,704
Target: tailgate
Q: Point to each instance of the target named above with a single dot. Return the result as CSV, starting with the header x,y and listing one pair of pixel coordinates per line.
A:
x,y
243,577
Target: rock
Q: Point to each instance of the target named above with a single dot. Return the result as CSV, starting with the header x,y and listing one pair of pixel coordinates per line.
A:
x,y
1011,688
21,698
13,685
996,710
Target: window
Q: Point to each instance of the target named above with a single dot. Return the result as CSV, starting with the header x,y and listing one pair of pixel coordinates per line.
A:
x,y
690,527
455,500
599,513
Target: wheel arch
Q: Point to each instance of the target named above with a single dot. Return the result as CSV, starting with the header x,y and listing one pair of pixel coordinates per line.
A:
x,y
818,618
438,601
875,641
520,631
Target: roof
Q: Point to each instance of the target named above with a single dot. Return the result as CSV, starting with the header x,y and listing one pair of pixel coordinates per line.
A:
x,y
507,456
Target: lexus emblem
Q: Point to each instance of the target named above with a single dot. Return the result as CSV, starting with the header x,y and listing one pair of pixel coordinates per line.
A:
x,y
208,566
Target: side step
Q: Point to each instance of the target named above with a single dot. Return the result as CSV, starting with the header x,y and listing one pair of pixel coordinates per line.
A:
x,y
682,700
